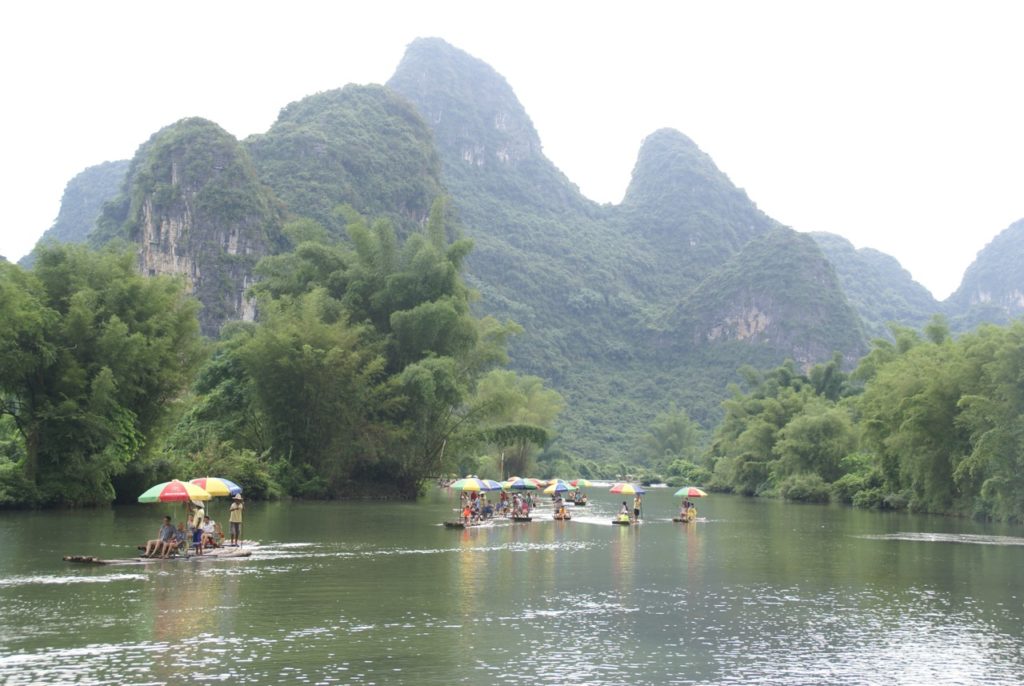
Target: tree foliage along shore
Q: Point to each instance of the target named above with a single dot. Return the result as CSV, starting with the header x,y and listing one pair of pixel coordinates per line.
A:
x,y
367,374
90,354
364,372
924,422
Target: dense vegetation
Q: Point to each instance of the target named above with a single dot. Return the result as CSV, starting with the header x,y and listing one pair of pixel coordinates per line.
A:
x,y
91,353
925,422
877,286
361,146
597,289
372,364
366,372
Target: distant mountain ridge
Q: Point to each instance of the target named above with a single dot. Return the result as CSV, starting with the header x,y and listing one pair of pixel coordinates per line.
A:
x,y
81,204
625,308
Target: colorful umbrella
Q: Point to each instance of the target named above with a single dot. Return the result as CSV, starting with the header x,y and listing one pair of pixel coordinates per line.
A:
x,y
580,483
470,484
626,489
559,487
174,491
217,486
491,485
690,492
522,485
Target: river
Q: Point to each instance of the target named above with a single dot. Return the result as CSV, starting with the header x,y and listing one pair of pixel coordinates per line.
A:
x,y
762,592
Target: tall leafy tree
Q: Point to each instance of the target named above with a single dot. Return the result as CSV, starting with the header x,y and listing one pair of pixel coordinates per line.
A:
x,y
92,354
672,436
363,367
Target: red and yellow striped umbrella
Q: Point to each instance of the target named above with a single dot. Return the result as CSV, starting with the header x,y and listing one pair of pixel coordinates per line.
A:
x,y
174,491
626,489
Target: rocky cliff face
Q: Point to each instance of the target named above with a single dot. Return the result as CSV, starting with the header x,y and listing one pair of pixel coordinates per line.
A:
x,y
192,204
992,289
780,294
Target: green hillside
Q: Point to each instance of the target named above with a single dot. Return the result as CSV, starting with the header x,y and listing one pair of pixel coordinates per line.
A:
x,y
877,286
359,145
626,310
595,286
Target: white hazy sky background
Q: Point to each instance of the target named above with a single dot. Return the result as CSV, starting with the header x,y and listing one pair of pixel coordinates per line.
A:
x,y
899,125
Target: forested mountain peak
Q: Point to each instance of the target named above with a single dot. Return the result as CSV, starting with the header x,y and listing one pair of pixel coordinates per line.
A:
x,y
481,129
670,164
690,212
363,146
495,129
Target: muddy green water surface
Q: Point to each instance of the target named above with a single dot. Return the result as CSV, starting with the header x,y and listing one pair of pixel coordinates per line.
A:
x,y
375,593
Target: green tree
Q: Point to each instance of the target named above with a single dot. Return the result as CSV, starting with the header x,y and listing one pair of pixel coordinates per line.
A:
x,y
518,419
815,442
93,353
671,436
362,370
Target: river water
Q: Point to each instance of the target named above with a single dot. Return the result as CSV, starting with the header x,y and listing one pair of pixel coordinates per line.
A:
x,y
761,592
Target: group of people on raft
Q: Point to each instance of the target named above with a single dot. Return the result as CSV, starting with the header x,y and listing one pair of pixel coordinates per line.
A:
x,y
201,532
625,515
476,507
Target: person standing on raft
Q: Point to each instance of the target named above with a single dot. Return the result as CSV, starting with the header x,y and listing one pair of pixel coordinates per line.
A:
x,y
235,519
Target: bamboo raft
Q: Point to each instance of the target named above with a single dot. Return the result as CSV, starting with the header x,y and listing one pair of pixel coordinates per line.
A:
x,y
522,518
214,554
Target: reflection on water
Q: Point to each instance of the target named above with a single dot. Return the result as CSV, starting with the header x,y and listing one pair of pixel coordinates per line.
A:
x,y
373,593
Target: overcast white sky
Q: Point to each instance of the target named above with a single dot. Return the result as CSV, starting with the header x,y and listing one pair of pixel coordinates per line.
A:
x,y
899,125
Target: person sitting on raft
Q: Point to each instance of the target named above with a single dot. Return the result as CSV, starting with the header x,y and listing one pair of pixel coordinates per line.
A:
x,y
210,532
156,545
175,541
